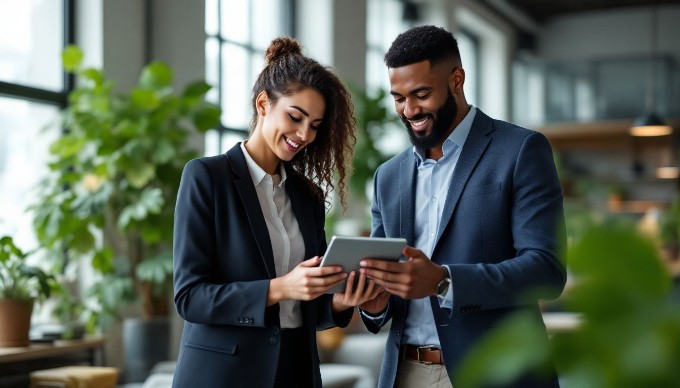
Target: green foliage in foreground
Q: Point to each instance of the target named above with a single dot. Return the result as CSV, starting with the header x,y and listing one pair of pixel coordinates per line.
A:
x,y
630,336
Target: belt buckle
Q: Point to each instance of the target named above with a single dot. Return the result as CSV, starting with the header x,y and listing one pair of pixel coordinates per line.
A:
x,y
418,349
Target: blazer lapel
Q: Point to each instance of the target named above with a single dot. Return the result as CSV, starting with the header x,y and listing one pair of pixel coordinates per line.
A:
x,y
473,149
246,190
407,187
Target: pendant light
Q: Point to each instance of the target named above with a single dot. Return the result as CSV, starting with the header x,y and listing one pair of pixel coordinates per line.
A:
x,y
650,123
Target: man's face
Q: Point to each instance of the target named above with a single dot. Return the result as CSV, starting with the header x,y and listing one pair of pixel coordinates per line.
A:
x,y
424,102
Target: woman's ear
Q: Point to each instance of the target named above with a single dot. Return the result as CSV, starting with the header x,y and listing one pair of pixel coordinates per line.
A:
x,y
261,103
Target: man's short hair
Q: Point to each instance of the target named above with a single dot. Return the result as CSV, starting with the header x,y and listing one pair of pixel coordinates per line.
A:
x,y
422,43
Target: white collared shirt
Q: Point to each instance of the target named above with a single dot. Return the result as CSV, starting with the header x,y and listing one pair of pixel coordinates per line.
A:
x,y
284,232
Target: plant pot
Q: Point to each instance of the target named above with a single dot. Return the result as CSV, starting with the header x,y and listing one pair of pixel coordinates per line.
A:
x,y
15,322
145,343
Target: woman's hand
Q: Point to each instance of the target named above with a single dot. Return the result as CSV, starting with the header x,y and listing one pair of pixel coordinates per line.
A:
x,y
365,290
306,281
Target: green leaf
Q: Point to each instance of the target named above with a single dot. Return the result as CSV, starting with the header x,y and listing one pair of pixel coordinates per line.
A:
x,y
102,260
164,151
150,202
94,75
141,175
156,75
145,99
71,57
67,146
207,118
196,89
157,269
518,344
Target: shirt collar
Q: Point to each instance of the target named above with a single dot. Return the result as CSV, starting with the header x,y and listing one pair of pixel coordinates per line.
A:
x,y
256,172
457,137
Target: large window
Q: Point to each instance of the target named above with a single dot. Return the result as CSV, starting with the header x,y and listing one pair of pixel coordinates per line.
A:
x,y
238,33
33,89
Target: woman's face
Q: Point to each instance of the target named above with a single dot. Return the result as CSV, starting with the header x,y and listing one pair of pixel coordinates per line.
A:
x,y
289,125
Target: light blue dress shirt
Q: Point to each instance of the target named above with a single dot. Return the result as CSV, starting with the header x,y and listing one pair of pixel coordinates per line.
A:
x,y
432,185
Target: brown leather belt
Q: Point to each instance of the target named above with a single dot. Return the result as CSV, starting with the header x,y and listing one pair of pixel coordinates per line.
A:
x,y
422,354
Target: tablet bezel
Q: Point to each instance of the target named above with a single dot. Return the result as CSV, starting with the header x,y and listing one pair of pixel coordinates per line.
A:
x,y
348,251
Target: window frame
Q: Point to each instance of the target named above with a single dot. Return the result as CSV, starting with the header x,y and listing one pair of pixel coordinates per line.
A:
x,y
288,23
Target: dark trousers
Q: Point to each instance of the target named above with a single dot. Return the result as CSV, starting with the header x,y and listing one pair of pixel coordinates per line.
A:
x,y
295,363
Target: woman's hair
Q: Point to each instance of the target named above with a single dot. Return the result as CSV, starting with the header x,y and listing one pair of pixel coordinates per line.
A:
x,y
288,71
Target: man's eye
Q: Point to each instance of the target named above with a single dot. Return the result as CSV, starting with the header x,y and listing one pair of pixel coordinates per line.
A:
x,y
423,96
295,119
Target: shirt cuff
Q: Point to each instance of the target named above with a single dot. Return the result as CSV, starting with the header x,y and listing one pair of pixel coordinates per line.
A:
x,y
375,318
446,302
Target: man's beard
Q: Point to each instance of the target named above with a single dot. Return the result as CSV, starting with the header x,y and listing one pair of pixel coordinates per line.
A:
x,y
441,123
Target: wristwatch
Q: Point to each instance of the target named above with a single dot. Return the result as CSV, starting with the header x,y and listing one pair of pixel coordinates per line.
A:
x,y
444,284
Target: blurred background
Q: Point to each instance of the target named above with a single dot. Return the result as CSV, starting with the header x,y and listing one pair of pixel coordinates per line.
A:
x,y
600,78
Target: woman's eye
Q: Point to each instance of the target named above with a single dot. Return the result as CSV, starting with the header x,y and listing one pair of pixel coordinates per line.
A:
x,y
295,119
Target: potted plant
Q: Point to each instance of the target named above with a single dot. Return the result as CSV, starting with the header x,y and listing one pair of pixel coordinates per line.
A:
x,y
114,179
20,286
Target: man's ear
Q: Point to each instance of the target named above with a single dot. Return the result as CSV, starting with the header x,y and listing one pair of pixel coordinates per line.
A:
x,y
457,79
261,103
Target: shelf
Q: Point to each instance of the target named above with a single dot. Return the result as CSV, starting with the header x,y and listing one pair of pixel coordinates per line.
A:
x,y
605,134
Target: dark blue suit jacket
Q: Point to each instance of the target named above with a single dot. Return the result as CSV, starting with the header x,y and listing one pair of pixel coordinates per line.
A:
x,y
500,233
223,263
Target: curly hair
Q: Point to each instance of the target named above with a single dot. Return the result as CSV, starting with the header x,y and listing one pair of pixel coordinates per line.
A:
x,y
288,71
423,43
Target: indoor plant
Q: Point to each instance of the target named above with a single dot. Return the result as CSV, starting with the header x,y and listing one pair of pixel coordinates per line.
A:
x,y
111,195
20,285
114,178
630,331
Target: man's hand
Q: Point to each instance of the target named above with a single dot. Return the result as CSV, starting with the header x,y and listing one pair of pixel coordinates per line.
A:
x,y
365,290
306,281
376,305
414,279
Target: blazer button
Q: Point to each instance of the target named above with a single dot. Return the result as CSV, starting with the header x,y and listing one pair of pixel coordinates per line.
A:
x,y
273,340
276,330
398,332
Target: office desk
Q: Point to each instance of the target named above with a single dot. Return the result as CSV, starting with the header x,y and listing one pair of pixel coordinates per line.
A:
x,y
16,364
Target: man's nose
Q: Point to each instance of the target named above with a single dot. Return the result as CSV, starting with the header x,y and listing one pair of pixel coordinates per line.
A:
x,y
411,108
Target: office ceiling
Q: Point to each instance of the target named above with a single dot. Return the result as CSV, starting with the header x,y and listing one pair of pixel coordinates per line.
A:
x,y
543,10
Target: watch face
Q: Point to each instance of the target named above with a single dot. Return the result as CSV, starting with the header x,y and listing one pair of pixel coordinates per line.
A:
x,y
443,286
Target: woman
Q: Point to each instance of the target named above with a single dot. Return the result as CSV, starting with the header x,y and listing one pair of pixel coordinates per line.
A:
x,y
246,221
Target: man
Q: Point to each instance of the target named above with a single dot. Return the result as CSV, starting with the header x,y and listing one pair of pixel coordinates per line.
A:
x,y
480,205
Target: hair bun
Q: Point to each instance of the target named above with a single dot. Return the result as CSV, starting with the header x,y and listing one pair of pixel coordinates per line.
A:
x,y
281,47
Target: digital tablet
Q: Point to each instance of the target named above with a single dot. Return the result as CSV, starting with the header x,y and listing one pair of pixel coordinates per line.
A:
x,y
347,252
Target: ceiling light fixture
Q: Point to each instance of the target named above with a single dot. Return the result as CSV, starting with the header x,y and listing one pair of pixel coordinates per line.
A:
x,y
650,123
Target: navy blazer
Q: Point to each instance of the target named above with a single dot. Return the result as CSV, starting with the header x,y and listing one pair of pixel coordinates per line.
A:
x,y
223,263
500,233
